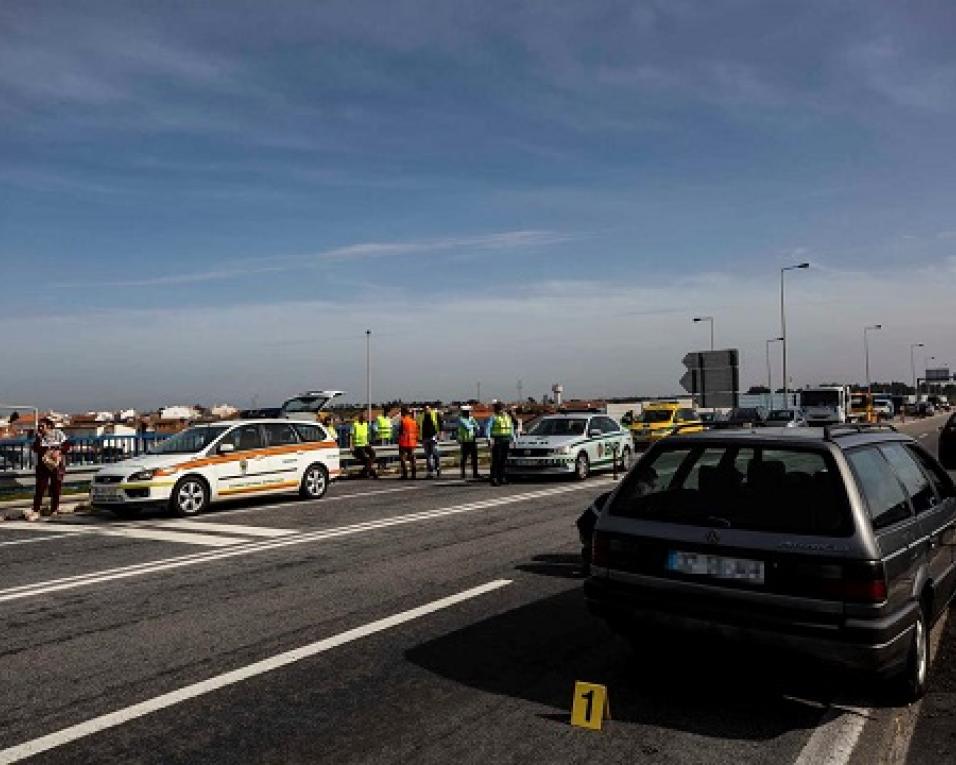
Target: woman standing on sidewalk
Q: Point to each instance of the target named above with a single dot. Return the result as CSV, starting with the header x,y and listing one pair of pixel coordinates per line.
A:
x,y
50,445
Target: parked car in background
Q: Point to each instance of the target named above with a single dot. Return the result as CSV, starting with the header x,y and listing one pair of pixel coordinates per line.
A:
x,y
835,542
883,407
947,443
743,417
570,444
786,418
660,419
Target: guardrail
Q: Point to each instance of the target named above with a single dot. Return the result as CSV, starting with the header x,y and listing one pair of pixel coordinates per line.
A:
x,y
79,474
15,453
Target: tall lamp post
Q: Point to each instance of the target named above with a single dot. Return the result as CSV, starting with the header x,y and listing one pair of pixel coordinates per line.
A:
x,y
914,346
783,331
710,319
368,372
926,361
866,353
769,378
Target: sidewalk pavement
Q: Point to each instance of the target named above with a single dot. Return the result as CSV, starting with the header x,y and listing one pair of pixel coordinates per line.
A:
x,y
72,503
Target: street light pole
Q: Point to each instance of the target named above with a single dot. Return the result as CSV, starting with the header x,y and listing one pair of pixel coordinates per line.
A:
x,y
711,320
769,378
368,372
783,331
913,346
866,353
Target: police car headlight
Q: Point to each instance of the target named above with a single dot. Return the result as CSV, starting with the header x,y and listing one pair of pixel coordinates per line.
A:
x,y
142,475
562,450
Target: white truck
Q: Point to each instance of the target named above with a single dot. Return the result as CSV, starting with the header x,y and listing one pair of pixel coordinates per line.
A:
x,y
826,404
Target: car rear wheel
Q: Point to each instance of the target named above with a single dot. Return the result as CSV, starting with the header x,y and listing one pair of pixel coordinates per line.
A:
x,y
315,482
190,497
911,684
582,467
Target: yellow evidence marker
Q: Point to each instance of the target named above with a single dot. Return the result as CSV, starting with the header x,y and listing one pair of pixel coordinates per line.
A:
x,y
590,707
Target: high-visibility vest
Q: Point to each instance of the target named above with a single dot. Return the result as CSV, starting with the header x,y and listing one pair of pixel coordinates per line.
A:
x,y
466,434
384,427
500,425
359,433
408,432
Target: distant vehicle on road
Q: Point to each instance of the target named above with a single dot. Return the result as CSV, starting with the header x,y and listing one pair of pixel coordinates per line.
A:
x,y
305,406
659,419
208,463
826,404
947,443
883,406
835,542
743,417
570,444
861,408
786,418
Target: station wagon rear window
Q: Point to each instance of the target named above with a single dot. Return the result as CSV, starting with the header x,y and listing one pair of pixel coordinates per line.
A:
x,y
755,488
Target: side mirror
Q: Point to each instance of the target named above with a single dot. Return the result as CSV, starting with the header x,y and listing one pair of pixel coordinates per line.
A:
x,y
226,448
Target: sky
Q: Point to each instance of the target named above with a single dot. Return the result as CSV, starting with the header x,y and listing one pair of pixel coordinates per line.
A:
x,y
212,202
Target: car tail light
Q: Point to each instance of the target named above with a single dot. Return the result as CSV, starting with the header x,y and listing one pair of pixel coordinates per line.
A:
x,y
860,583
600,550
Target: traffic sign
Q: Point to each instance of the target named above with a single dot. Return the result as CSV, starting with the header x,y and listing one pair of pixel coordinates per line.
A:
x,y
713,376
940,374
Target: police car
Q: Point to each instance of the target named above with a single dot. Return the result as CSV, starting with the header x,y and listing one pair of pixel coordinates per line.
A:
x,y
221,460
570,444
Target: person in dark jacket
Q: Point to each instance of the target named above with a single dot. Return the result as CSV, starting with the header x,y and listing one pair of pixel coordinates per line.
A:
x,y
50,446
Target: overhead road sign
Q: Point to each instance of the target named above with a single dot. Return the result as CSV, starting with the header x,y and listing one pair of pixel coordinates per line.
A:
x,y
713,377
940,374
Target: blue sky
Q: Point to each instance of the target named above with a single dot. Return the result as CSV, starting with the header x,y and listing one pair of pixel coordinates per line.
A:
x,y
212,201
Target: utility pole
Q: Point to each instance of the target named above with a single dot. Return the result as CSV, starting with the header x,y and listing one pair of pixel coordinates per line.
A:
x,y
520,399
783,332
368,372
913,362
479,393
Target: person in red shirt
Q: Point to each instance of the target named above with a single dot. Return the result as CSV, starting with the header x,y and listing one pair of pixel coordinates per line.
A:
x,y
407,441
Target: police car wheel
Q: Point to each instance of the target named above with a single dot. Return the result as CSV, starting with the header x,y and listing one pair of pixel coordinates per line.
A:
x,y
315,482
582,467
190,496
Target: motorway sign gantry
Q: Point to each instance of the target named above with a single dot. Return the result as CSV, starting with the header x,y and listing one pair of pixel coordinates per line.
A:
x,y
713,376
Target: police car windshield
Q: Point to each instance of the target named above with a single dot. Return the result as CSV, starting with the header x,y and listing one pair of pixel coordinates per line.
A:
x,y
655,415
558,427
190,441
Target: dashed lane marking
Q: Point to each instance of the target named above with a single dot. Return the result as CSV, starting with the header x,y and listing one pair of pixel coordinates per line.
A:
x,y
141,569
104,722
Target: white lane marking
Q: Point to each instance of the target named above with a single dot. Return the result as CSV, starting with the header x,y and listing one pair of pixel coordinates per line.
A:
x,y
923,435
103,722
835,738
220,528
28,541
179,537
315,504
45,527
140,569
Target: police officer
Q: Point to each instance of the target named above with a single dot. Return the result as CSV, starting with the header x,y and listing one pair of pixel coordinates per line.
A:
x,y
361,447
467,434
499,430
382,432
429,426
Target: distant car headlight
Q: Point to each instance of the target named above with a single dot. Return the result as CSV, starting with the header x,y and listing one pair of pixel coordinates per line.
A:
x,y
562,450
142,475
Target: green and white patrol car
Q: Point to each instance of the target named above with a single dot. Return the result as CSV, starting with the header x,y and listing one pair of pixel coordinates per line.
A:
x,y
570,444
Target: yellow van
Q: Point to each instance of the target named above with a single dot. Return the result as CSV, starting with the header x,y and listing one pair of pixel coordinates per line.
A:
x,y
659,419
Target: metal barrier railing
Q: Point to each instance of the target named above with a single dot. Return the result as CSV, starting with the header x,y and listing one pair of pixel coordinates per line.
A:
x,y
15,453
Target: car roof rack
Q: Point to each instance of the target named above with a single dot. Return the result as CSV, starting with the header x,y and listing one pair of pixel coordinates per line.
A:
x,y
845,428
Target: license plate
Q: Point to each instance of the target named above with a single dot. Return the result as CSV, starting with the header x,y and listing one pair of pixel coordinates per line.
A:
x,y
716,566
103,494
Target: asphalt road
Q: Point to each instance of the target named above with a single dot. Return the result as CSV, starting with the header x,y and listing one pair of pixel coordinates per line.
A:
x,y
432,622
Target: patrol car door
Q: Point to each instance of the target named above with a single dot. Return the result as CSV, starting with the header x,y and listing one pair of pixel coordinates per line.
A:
x,y
241,470
615,442
597,440
284,454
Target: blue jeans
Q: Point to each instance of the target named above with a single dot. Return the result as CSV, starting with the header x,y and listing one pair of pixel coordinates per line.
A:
x,y
432,455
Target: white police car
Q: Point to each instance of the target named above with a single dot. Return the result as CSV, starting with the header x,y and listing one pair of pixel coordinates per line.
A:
x,y
570,444
220,460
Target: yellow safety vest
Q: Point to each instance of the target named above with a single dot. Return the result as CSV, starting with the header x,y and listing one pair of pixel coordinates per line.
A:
x,y
359,434
434,417
500,426
384,427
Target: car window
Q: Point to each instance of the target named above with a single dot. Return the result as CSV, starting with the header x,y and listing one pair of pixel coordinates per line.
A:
x,y
280,434
608,425
942,483
313,433
885,499
784,490
244,438
914,480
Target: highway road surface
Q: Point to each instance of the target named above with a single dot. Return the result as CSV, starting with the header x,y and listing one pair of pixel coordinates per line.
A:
x,y
434,622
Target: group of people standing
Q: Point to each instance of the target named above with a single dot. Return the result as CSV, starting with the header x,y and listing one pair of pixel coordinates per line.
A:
x,y
426,428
